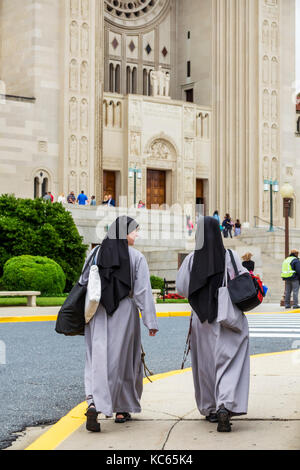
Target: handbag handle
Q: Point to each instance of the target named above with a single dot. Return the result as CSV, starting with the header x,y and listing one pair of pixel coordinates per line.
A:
x,y
234,263
226,273
89,259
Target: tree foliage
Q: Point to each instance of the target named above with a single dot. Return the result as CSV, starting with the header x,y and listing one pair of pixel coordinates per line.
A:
x,y
37,228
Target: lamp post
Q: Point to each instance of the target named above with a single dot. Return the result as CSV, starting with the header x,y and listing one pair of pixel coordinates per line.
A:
x,y
134,173
287,193
272,186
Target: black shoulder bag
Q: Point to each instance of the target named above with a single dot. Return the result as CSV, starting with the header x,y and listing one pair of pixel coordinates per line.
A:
x,y
242,289
71,320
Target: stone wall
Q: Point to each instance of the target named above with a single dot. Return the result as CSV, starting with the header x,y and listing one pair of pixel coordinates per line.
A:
x,y
30,67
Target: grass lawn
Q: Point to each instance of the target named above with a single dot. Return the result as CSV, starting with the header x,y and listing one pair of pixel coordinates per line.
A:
x,y
173,301
40,301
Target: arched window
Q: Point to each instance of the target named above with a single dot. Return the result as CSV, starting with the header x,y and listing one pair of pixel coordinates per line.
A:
x,y
117,79
134,80
149,83
36,188
111,78
45,186
128,80
40,184
145,82
298,125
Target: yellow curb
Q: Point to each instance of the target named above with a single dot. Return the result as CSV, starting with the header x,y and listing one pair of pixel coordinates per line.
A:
x,y
67,425
39,318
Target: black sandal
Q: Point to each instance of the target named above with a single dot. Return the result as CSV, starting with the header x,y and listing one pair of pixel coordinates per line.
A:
x,y
92,422
126,417
212,418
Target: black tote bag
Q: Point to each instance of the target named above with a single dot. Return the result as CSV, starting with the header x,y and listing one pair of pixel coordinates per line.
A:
x,y
71,320
242,289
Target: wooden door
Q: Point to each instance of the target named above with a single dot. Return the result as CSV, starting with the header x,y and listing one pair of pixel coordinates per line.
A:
x,y
109,184
200,199
156,188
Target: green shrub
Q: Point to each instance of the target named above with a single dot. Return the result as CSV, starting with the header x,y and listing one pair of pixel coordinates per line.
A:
x,y
33,273
33,227
156,282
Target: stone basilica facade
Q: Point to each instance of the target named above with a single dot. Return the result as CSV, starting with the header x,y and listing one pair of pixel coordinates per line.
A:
x,y
196,95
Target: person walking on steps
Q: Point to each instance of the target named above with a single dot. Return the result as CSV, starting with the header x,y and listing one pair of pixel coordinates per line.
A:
x,y
220,356
291,275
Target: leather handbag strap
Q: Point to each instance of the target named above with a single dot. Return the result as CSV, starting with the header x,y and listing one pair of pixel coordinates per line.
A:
x,y
234,263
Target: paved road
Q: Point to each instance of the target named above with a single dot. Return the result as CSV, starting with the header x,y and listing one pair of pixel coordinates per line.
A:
x,y
43,375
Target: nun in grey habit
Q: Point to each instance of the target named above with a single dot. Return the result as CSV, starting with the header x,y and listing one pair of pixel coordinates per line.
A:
x,y
220,356
114,368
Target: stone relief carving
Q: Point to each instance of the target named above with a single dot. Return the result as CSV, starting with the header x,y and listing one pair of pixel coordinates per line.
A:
x,y
84,182
266,134
274,138
135,114
73,122
74,8
160,82
274,37
79,45
189,150
160,150
274,169
266,104
265,34
85,39
271,3
266,69
73,150
84,151
274,71
84,115
85,8
84,77
189,178
73,75
73,182
135,144
74,40
274,105
289,170
189,120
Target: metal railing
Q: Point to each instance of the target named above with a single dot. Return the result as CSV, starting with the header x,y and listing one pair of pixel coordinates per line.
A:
x,y
256,217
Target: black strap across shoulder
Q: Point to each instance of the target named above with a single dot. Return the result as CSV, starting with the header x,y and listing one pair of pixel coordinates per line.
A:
x,y
234,263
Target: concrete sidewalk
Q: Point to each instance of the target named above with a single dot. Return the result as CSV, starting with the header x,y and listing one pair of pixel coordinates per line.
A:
x,y
171,421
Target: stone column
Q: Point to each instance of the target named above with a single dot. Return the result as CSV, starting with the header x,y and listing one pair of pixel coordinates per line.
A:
x,y
99,90
235,104
82,97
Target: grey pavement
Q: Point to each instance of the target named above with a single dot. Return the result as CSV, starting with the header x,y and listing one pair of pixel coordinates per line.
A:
x,y
170,420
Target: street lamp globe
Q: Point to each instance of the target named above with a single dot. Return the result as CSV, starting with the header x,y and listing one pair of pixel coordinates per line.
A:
x,y
287,191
